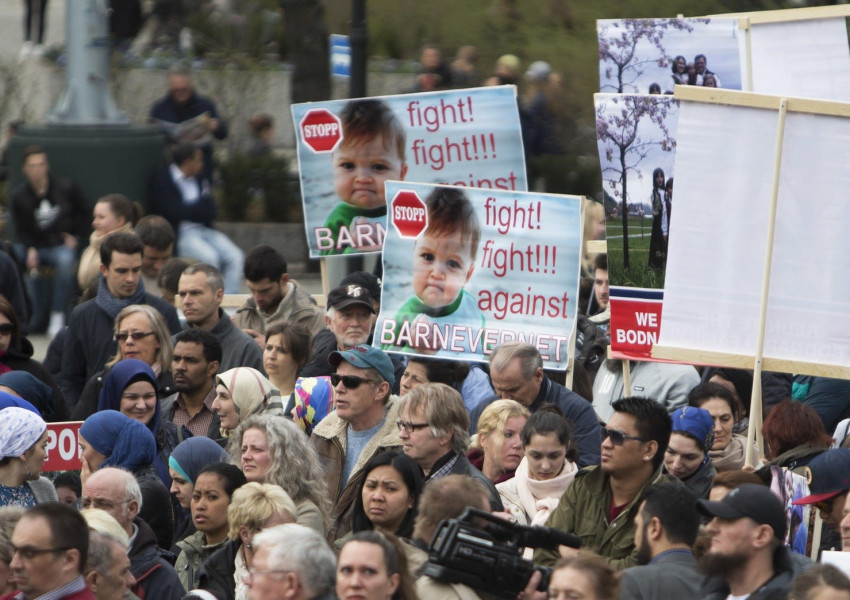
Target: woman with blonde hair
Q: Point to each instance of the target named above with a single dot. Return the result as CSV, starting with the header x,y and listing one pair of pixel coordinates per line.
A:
x,y
253,508
113,213
497,451
242,392
141,333
272,449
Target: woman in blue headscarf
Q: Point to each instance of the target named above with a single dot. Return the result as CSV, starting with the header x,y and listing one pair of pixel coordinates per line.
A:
x,y
184,464
28,386
109,438
687,457
131,389
23,450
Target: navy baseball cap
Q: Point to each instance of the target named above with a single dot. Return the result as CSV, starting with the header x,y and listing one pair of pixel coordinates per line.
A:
x,y
365,357
751,500
828,475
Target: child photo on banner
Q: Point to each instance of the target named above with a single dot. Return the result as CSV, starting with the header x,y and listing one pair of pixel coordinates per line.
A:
x,y
348,149
468,269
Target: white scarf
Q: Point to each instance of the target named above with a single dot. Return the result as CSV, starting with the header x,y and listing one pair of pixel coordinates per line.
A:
x,y
539,498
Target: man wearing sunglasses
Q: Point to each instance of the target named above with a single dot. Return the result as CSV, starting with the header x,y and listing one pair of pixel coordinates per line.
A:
x,y
601,504
49,548
362,425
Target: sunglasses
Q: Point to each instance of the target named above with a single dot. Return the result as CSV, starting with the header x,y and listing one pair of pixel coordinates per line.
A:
x,y
7,329
136,335
618,438
351,382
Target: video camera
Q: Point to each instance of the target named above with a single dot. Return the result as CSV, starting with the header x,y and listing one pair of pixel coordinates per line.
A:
x,y
489,558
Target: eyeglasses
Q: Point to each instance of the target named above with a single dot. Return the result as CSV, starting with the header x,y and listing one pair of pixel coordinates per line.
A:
x,y
351,382
618,438
102,504
7,329
247,577
29,552
136,335
410,427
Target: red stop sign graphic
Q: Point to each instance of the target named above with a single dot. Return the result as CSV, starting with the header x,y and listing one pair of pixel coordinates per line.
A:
x,y
410,215
321,130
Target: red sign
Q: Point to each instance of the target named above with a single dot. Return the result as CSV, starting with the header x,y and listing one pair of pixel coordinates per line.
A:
x,y
63,452
321,130
409,214
635,325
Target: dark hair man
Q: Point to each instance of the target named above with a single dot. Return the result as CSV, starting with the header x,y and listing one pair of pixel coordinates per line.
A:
x,y
601,503
157,237
89,339
275,297
666,526
194,364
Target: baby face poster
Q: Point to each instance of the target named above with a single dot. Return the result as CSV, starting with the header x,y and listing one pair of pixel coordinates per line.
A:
x,y
466,270
348,149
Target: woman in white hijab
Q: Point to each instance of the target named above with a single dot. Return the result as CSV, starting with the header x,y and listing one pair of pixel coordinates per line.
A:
x,y
23,450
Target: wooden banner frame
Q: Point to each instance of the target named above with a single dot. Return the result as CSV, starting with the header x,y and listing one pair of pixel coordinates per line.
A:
x,y
758,361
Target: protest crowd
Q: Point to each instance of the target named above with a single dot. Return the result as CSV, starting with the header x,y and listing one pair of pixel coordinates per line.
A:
x,y
275,451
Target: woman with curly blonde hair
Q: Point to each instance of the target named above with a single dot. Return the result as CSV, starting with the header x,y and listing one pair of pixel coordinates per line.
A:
x,y
497,451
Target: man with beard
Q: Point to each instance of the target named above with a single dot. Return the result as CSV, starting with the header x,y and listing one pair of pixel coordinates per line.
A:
x,y
666,527
747,558
601,503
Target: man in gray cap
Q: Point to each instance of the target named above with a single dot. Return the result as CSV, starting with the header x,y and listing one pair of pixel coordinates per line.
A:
x,y
362,425
747,557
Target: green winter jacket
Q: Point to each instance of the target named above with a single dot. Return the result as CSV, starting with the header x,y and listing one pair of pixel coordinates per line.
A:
x,y
583,511
193,554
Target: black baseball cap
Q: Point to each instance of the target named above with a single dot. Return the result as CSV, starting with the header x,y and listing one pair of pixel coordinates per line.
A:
x,y
751,500
350,295
366,280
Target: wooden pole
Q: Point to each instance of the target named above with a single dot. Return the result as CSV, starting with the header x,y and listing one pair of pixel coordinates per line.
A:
x,y
627,378
748,45
754,431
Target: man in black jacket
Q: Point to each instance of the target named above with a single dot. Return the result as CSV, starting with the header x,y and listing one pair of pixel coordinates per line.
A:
x,y
89,339
51,218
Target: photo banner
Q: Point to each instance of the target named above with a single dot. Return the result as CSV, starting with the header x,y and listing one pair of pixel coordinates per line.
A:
x,y
634,54
716,265
347,149
636,139
468,269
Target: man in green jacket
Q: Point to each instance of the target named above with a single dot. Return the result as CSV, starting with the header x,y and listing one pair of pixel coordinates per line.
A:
x,y
600,505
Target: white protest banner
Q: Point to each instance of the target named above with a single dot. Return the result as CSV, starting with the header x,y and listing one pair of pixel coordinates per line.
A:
x,y
63,449
636,138
347,149
468,269
634,54
731,145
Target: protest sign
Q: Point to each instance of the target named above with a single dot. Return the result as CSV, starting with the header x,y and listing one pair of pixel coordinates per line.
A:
x,y
63,449
750,241
636,138
634,54
491,267
347,149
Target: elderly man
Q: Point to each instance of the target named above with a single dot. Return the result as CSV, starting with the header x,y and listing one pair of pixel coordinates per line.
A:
x,y
293,562
201,290
117,492
516,370
107,571
747,557
362,426
51,544
433,428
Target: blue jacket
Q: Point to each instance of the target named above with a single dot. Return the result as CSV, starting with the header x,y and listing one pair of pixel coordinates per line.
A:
x,y
577,411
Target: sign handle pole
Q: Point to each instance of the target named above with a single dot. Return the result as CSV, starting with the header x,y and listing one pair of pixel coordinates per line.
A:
x,y
754,431
323,268
627,378
748,45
